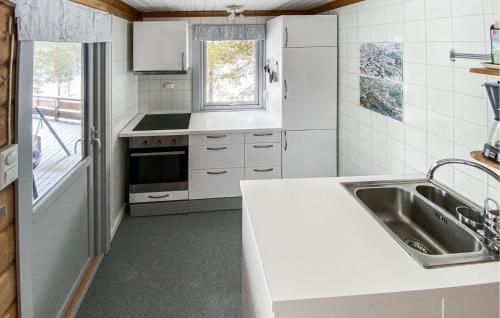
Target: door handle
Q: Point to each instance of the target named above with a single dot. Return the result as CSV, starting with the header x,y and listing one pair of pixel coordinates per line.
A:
x,y
217,148
182,58
286,37
76,145
263,170
286,142
216,136
94,138
218,172
286,89
158,196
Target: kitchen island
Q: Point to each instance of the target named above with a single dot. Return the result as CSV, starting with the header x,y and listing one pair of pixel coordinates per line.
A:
x,y
311,250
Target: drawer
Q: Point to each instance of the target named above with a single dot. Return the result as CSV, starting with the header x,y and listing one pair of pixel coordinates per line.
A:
x,y
263,154
263,136
257,173
215,183
216,156
158,196
216,139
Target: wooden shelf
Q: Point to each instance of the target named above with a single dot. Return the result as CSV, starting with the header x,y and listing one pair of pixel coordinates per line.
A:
x,y
484,70
479,157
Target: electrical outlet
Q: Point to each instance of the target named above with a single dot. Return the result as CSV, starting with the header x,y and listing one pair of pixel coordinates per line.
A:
x,y
8,165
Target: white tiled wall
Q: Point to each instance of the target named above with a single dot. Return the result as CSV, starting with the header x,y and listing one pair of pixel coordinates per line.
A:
x,y
173,93
446,112
123,108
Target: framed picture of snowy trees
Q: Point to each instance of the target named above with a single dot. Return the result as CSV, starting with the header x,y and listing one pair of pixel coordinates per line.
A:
x,y
381,78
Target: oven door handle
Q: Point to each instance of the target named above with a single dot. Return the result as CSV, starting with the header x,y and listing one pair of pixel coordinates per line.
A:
x,y
158,196
154,154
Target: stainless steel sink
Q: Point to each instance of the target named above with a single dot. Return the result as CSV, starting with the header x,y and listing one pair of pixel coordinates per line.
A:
x,y
420,216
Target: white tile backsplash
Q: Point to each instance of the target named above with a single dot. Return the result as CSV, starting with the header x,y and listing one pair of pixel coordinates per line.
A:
x,y
446,108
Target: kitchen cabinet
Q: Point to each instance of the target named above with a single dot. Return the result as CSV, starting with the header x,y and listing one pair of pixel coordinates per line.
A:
x,y
215,183
309,93
309,153
309,30
161,46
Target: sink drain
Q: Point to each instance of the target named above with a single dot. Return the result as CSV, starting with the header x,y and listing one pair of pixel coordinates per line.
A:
x,y
419,246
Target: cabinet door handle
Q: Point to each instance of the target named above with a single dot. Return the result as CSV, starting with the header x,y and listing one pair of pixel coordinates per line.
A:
x,y
263,170
216,148
183,63
216,172
286,141
286,37
263,146
286,89
216,136
263,135
158,196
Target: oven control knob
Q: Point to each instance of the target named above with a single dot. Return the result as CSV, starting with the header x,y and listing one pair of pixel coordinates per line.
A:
x,y
145,142
159,141
174,141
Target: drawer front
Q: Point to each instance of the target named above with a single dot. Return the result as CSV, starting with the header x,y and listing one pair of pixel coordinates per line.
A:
x,y
215,183
216,139
262,154
263,136
257,173
158,196
216,156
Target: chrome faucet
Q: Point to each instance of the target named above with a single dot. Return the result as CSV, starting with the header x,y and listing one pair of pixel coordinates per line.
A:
x,y
444,162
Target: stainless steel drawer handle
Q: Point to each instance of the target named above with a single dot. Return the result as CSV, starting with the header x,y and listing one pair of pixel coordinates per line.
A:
x,y
263,146
263,135
216,136
216,172
263,170
158,196
216,148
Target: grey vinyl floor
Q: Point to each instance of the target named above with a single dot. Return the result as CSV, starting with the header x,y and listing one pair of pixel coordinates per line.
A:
x,y
170,266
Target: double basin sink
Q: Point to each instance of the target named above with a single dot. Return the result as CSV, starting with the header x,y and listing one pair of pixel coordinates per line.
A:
x,y
421,216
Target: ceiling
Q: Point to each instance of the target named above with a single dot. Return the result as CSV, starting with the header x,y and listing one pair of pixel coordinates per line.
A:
x,y
214,5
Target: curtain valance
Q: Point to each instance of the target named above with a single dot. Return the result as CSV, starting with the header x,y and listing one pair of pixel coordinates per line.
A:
x,y
62,21
212,32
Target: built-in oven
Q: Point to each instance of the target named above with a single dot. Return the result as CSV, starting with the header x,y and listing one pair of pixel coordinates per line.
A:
x,y
158,169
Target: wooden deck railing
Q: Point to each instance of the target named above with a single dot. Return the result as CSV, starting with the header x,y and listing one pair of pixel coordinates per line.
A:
x,y
59,107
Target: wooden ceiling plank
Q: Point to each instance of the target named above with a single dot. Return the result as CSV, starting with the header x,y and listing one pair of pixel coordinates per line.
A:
x,y
332,5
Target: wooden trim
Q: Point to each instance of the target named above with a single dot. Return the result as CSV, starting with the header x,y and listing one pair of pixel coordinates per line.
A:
x,y
196,14
486,71
332,5
114,7
77,298
478,155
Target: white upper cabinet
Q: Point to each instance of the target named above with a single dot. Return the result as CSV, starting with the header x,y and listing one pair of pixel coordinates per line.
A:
x,y
310,88
309,31
161,46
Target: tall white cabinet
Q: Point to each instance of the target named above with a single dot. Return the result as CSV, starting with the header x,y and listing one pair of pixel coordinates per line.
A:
x,y
305,49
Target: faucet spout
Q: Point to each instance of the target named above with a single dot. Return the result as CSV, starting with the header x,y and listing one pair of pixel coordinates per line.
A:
x,y
444,162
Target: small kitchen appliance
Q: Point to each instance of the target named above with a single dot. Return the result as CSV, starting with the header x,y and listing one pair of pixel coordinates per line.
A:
x,y
492,145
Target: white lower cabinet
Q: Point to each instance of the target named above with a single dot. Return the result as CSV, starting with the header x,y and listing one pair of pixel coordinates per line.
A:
x,y
219,161
215,183
259,173
309,154
216,156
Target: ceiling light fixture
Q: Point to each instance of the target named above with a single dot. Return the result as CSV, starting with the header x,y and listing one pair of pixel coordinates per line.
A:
x,y
234,12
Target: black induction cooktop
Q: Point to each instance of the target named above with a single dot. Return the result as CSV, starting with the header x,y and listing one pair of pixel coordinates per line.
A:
x,y
163,122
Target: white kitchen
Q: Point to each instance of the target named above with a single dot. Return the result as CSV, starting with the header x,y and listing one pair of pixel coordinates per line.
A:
x,y
254,159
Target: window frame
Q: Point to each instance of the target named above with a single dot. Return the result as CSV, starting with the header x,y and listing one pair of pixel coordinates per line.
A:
x,y
199,104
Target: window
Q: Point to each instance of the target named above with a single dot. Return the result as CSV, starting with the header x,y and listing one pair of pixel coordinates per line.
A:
x,y
57,130
230,75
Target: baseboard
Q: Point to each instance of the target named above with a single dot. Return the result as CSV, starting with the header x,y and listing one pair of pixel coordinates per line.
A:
x,y
118,220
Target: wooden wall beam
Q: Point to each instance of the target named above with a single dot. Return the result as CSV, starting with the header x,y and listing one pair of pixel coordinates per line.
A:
x,y
114,7
191,14
332,5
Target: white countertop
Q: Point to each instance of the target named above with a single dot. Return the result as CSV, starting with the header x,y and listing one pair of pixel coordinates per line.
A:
x,y
208,122
316,242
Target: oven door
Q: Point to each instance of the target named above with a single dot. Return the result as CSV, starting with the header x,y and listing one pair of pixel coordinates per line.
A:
x,y
154,170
